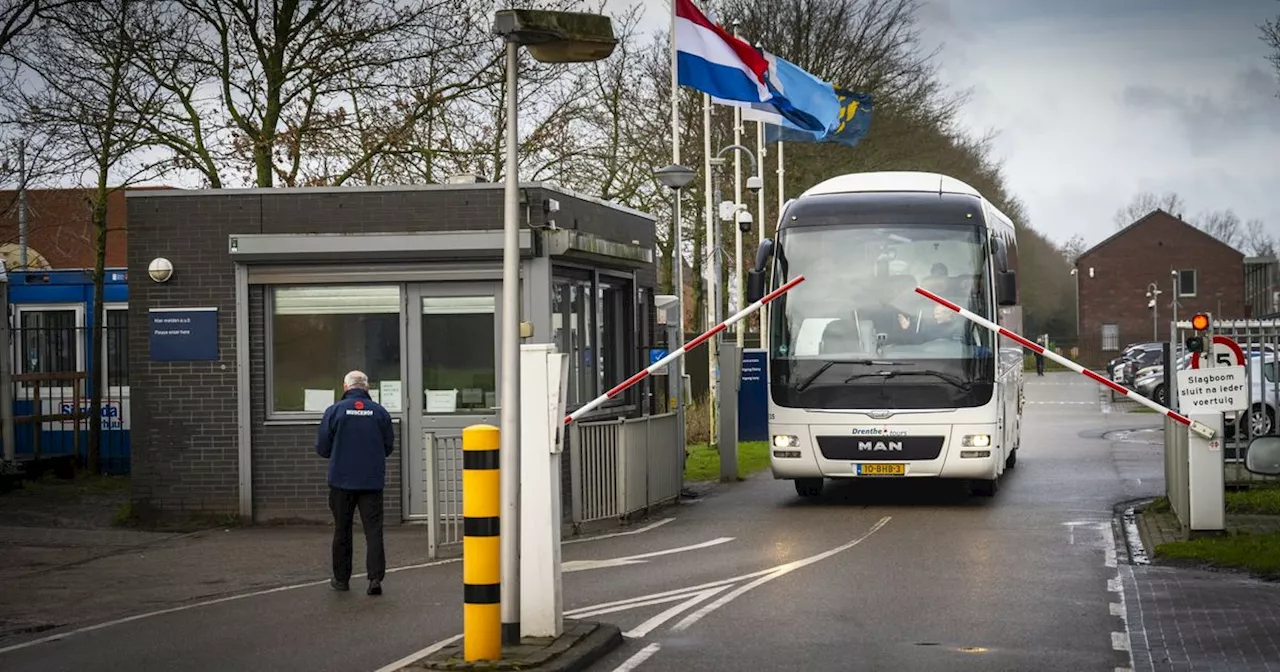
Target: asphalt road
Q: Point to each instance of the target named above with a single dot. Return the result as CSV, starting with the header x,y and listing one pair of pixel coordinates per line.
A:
x,y
899,576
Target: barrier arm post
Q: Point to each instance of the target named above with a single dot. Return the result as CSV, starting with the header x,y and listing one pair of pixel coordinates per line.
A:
x,y
679,352
1198,427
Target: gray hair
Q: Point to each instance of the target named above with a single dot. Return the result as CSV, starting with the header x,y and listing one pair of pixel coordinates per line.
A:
x,y
356,379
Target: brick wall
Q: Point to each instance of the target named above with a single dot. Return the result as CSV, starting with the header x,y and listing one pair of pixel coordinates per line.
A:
x,y
1146,252
184,415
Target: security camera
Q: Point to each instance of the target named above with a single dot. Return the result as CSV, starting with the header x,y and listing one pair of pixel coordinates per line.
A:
x,y
744,221
755,184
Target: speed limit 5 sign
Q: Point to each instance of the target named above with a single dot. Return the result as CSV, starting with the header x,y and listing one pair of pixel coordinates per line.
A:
x,y
1225,352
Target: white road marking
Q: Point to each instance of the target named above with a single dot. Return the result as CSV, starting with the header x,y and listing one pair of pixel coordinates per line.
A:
x,y
649,625
309,584
411,659
581,565
206,603
642,655
646,528
779,571
674,595
1119,640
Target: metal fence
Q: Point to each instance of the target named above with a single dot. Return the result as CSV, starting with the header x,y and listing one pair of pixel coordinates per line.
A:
x,y
619,467
51,380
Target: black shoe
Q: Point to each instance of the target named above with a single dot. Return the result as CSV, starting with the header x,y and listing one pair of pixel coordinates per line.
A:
x,y
339,585
375,587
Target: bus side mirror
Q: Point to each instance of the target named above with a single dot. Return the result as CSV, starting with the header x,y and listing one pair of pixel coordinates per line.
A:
x,y
755,276
1007,288
1263,456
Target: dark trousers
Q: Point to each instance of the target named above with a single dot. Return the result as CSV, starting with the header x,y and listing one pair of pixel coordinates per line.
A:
x,y
1039,365
343,504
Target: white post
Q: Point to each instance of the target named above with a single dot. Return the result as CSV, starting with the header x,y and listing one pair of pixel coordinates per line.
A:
x,y
509,422
544,376
1205,478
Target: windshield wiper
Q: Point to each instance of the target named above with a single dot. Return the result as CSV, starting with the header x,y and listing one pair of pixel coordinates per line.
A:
x,y
954,380
808,380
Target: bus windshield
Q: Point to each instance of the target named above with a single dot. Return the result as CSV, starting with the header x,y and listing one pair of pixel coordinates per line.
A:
x,y
855,334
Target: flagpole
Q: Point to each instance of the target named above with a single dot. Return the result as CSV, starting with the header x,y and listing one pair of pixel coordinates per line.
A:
x,y
712,295
782,197
677,235
763,318
738,293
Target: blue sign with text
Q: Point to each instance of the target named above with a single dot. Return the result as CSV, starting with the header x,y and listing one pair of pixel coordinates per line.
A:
x,y
753,397
184,334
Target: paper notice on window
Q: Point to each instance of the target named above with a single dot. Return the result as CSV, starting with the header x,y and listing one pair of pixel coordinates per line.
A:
x,y
391,392
375,395
316,401
442,401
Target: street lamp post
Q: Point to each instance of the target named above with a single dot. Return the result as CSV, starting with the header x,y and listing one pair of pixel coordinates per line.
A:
x,y
754,184
550,37
676,177
1075,273
1153,294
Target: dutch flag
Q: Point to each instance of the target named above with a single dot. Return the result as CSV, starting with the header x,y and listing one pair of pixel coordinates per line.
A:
x,y
715,62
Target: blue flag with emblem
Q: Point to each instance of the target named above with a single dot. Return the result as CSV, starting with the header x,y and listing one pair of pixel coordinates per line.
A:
x,y
852,124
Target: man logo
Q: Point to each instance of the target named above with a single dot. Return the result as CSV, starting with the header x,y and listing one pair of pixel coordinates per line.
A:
x,y
880,445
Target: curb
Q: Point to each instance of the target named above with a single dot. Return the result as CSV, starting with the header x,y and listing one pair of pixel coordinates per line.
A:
x,y
1125,527
582,644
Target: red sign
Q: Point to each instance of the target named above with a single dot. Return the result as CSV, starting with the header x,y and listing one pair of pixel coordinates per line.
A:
x,y
1224,352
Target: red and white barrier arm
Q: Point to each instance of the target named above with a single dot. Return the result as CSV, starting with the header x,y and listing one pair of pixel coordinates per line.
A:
x,y
1197,427
679,352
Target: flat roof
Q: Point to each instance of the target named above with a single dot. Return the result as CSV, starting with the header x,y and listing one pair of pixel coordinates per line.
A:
x,y
390,188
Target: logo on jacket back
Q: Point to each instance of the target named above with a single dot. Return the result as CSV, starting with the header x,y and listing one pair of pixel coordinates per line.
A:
x,y
359,409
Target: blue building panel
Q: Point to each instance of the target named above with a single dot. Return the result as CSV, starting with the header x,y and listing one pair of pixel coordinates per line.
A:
x,y
68,289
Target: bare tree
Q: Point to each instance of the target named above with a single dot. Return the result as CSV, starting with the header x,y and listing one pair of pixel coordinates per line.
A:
x,y
85,89
1073,248
1258,241
1146,202
269,86
1222,224
1271,37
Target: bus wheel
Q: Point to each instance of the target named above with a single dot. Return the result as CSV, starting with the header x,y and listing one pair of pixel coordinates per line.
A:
x,y
808,487
986,488
1012,460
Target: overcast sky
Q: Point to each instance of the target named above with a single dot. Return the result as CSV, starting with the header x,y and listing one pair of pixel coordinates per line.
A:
x,y
1095,100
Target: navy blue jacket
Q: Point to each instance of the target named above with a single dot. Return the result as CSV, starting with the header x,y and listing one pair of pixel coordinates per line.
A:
x,y
357,437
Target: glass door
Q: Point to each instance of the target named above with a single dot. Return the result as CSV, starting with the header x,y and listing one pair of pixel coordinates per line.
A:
x,y
452,353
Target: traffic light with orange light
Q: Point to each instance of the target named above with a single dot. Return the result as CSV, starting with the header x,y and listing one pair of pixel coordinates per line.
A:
x,y
1198,342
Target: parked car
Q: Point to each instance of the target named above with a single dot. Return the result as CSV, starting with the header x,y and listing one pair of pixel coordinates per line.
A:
x,y
1263,372
1150,381
1139,359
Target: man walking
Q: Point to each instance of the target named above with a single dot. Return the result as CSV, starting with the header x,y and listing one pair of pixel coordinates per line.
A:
x,y
1043,342
357,437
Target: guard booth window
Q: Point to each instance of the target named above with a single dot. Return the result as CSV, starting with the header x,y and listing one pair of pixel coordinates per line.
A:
x,y
593,321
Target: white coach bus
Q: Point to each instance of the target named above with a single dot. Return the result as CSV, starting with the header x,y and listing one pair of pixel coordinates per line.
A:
x,y
869,379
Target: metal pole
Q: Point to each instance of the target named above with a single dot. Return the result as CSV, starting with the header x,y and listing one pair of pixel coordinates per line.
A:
x,y
22,203
509,430
678,260
738,293
763,317
6,370
713,305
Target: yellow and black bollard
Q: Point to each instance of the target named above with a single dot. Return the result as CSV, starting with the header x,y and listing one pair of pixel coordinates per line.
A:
x,y
481,565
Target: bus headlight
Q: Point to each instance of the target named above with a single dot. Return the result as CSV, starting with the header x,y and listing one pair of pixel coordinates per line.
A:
x,y
976,440
785,441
